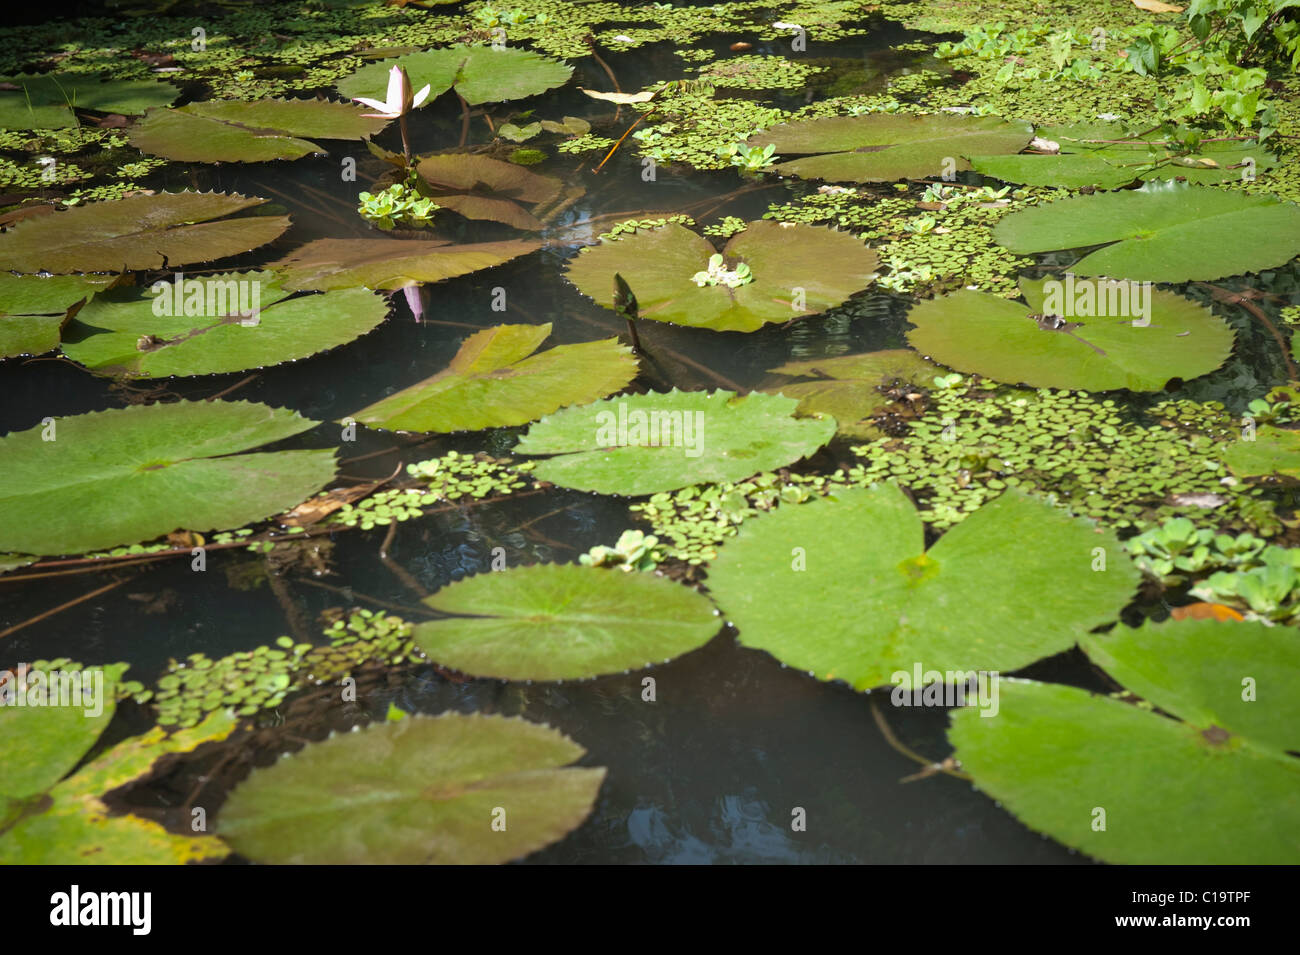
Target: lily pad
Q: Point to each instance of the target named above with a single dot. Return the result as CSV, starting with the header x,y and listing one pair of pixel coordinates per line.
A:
x,y
1271,451
46,100
139,232
479,187
797,270
132,474
1051,343
1184,790
493,382
249,131
33,309
883,147
851,388
70,825
390,264
1107,156
418,790
563,622
120,334
643,444
1014,582
480,74
1163,232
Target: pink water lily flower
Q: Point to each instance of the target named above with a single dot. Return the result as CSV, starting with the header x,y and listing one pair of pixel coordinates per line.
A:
x,y
399,101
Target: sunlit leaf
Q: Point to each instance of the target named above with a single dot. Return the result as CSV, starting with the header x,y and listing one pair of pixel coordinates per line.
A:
x,y
480,74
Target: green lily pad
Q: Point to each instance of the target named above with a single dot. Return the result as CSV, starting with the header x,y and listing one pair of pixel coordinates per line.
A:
x,y
46,100
883,147
119,333
1184,790
643,444
390,264
493,382
132,474
1271,451
479,187
33,309
139,232
850,388
1094,347
1163,232
419,790
249,131
1012,583
10,562
40,744
792,266
70,825
1106,155
563,622
478,73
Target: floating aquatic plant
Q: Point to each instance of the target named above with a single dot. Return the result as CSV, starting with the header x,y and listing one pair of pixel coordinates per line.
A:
x,y
390,264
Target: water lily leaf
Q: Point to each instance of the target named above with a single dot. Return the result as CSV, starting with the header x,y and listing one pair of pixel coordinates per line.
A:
x,y
139,232
518,134
131,474
71,825
479,73
479,187
10,562
1091,156
850,388
882,147
493,382
252,131
563,622
120,334
1163,232
571,125
1038,345
419,790
1271,451
1012,583
46,100
33,309
390,264
792,265
42,742
1053,755
643,444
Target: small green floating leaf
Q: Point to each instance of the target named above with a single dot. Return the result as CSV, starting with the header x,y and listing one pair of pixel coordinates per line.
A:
x,y
138,232
249,131
563,622
883,147
132,474
1163,232
1098,347
329,264
797,270
1269,451
480,74
423,790
47,100
643,444
235,321
850,388
1174,791
496,381
1091,156
1012,583
33,309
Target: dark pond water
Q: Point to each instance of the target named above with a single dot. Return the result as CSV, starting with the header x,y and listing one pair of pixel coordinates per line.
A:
x,y
712,771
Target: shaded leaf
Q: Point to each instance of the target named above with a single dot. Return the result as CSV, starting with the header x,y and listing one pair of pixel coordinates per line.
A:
x,y
46,100
479,187
419,790
390,264
493,382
